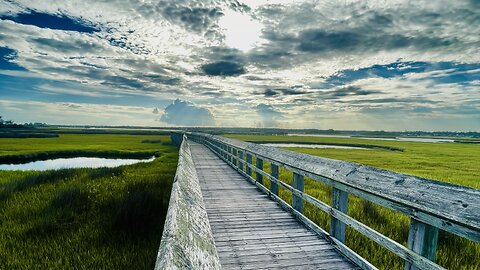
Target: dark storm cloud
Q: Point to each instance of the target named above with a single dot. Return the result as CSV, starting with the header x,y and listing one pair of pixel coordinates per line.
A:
x,y
224,62
288,91
365,31
319,40
200,17
270,93
223,68
196,19
283,47
292,91
52,21
184,113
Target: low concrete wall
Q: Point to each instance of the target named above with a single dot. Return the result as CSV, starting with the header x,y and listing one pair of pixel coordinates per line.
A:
x,y
187,241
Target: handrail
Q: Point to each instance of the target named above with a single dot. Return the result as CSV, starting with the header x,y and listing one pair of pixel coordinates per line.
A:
x,y
187,240
432,205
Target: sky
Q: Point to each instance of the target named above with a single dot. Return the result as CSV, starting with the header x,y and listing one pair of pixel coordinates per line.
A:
x,y
368,65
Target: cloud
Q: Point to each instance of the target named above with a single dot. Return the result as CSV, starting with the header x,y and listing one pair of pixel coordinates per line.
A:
x,y
195,19
223,68
184,113
317,57
270,93
79,113
268,115
348,91
80,91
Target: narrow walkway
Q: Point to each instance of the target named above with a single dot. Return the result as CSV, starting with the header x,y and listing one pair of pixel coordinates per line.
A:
x,y
250,230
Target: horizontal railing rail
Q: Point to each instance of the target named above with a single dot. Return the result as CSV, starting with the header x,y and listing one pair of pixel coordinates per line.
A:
x,y
431,205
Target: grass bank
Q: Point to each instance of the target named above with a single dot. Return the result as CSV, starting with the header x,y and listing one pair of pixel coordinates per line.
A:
x,y
449,162
106,218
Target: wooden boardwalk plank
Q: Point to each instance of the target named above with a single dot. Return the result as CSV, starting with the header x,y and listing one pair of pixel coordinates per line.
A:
x,y
250,230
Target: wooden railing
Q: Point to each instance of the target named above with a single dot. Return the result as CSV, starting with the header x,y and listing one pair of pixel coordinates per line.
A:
x,y
187,240
431,205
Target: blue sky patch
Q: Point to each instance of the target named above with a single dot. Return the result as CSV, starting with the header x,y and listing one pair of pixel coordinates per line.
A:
x,y
454,72
52,21
6,56
19,88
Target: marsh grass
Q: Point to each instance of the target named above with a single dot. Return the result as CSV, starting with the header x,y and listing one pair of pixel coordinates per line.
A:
x,y
105,218
449,162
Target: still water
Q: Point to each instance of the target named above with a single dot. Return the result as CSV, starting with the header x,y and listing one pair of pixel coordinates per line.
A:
x,y
301,145
405,139
67,163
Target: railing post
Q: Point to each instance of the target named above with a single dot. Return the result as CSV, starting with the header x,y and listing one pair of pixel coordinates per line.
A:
x,y
249,161
224,149
240,160
259,176
235,158
229,151
422,239
339,202
274,173
298,183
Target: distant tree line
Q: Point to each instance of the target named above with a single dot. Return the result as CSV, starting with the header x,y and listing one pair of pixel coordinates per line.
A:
x,y
11,124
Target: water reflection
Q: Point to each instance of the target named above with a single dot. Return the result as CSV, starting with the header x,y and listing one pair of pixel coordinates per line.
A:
x,y
67,163
406,139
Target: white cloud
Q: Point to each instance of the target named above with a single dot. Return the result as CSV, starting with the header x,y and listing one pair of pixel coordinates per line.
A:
x,y
157,49
78,113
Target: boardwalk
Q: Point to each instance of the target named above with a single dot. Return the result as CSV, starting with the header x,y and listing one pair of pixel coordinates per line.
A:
x,y
250,230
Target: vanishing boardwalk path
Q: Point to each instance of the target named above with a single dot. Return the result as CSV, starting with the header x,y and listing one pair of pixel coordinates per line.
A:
x,y
250,230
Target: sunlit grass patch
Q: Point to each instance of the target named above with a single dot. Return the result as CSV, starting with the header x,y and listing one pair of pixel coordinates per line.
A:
x,y
105,218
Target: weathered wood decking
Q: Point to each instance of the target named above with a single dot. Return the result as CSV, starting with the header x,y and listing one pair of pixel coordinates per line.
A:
x,y
250,230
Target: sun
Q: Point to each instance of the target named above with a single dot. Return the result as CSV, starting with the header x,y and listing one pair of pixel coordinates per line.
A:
x,y
241,31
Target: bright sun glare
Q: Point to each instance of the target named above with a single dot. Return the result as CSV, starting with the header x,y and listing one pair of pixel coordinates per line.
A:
x,y
241,31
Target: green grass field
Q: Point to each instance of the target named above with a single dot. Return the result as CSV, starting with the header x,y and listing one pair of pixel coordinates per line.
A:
x,y
449,162
113,218
106,218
